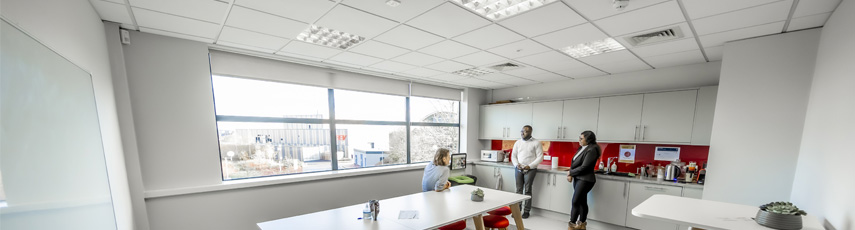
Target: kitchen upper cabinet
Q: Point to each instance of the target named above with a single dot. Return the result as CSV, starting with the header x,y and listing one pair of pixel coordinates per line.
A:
x,y
619,118
546,120
668,116
704,110
504,121
579,115
638,193
607,202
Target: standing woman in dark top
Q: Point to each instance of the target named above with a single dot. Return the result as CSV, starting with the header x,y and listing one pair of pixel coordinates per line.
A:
x,y
582,176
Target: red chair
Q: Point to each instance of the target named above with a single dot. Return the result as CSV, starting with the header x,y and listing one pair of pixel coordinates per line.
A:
x,y
503,211
496,222
459,225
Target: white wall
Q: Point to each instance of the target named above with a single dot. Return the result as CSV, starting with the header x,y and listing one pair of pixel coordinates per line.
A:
x,y
822,185
74,29
759,116
687,76
471,112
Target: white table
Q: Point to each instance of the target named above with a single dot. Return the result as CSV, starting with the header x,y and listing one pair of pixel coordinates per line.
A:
x,y
435,209
706,214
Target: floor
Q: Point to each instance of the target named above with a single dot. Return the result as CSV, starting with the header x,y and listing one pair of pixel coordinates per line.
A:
x,y
536,222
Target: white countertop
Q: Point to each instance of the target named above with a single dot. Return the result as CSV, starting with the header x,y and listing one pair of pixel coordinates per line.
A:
x,y
706,214
563,170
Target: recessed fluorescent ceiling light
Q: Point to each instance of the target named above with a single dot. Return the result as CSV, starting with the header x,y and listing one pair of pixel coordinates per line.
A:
x,y
497,9
593,48
473,72
329,37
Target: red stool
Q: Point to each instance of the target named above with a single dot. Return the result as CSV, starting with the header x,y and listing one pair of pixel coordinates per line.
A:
x,y
496,222
459,225
503,211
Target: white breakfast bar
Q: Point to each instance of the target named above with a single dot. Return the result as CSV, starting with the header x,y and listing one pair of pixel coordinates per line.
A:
x,y
435,209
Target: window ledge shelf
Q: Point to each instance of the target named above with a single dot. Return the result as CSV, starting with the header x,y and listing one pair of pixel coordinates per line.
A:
x,y
280,180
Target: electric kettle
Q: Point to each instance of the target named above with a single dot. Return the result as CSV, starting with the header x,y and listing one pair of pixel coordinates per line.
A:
x,y
672,172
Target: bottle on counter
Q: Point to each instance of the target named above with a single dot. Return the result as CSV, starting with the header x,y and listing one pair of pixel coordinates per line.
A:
x,y
366,213
602,166
702,174
614,167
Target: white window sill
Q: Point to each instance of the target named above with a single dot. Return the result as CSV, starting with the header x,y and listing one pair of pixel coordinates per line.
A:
x,y
279,180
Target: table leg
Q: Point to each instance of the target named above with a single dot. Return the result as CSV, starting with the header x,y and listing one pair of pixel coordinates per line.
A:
x,y
515,212
479,222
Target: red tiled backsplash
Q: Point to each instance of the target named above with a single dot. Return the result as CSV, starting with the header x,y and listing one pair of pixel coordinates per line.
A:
x,y
643,153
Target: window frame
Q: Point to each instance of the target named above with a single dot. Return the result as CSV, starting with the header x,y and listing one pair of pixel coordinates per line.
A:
x,y
332,122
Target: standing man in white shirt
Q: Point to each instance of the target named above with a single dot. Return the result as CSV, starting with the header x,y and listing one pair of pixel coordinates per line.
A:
x,y
526,155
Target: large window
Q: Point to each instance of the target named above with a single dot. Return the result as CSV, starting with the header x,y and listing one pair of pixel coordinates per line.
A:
x,y
271,128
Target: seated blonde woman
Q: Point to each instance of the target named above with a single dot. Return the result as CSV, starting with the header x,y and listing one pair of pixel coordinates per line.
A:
x,y
436,173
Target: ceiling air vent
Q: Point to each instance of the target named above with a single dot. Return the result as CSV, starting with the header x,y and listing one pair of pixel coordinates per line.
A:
x,y
655,37
505,67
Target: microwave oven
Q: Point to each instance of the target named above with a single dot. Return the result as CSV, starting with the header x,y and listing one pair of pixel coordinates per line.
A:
x,y
492,155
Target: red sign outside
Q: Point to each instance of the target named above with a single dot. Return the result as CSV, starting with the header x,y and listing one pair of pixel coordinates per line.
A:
x,y
341,137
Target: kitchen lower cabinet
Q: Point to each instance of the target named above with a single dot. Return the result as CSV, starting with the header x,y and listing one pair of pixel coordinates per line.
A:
x,y
639,192
509,180
542,190
691,193
486,176
551,191
607,202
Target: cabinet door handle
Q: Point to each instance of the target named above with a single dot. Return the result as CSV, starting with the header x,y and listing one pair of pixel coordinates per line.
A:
x,y
558,134
553,179
635,134
547,180
643,127
624,189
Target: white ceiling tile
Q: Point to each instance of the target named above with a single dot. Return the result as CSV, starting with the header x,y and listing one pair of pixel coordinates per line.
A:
x,y
448,20
250,38
393,67
599,9
547,77
408,37
378,49
355,59
581,72
265,23
300,56
681,45
449,66
812,7
519,49
112,12
495,77
175,35
542,20
346,19
206,10
718,39
480,59
551,60
714,53
808,21
705,8
525,71
171,23
423,72
418,59
489,37
403,12
743,18
659,15
341,64
448,49
312,50
246,47
517,81
449,77
571,36
482,83
302,10
114,1
615,56
675,59
623,66
682,27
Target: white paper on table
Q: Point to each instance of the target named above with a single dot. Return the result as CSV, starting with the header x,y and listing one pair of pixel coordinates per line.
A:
x,y
408,214
627,154
667,153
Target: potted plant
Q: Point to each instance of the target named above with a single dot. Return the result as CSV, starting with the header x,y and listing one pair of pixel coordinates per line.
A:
x,y
780,215
477,195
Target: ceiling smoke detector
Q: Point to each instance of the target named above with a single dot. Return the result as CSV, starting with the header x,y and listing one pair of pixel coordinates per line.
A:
x,y
505,66
655,37
620,4
393,3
